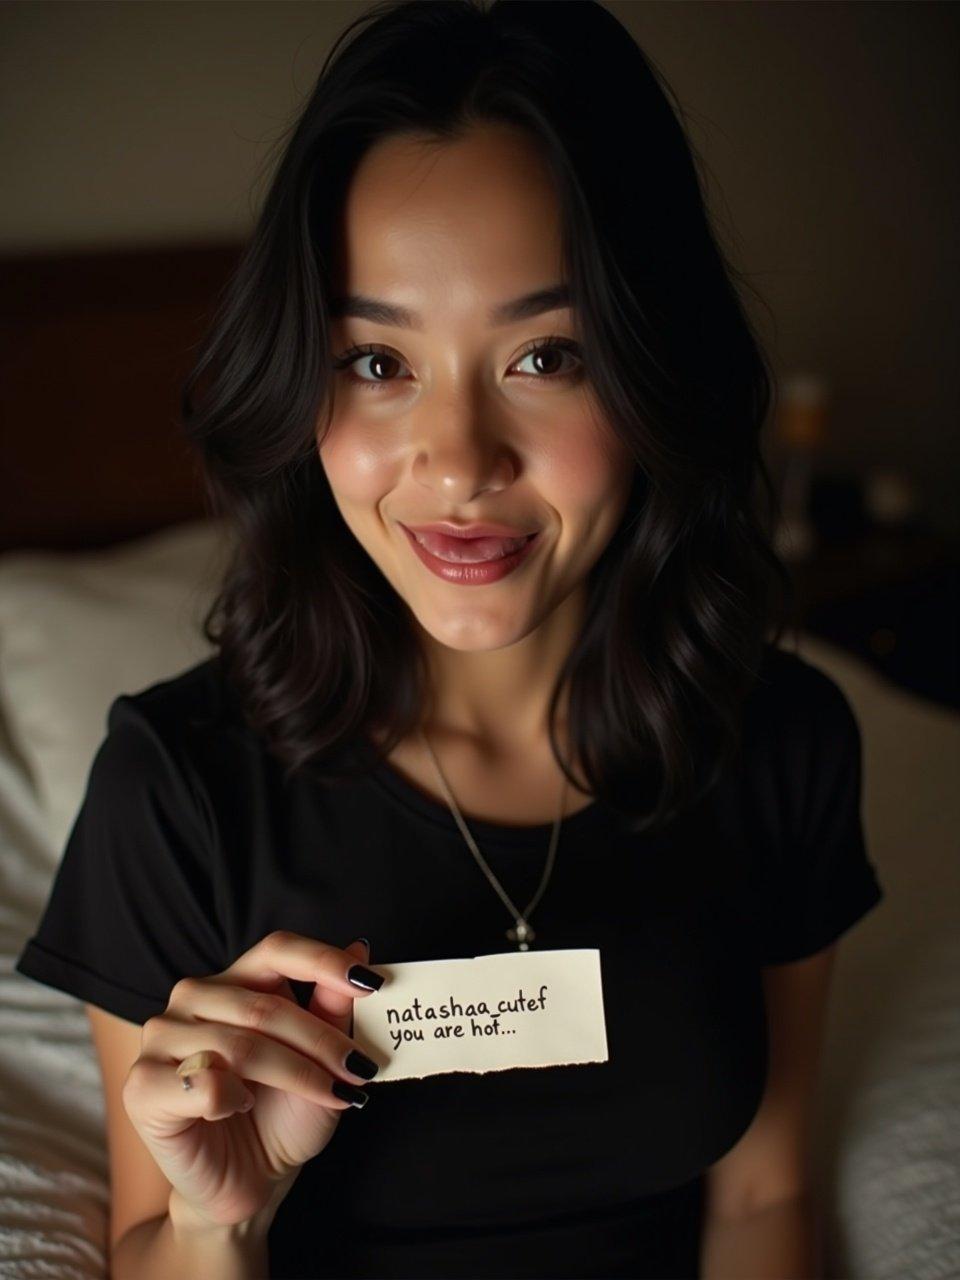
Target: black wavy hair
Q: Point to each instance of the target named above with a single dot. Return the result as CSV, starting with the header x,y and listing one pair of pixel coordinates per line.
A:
x,y
315,642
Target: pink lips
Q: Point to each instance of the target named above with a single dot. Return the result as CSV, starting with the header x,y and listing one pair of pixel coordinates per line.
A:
x,y
470,561
478,530
462,550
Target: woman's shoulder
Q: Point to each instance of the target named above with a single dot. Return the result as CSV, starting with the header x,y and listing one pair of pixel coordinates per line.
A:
x,y
199,693
787,680
796,706
189,714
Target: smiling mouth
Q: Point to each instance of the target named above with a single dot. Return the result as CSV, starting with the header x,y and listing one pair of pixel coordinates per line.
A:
x,y
468,550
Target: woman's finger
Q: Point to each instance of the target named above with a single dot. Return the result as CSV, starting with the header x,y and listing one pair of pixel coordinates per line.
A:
x,y
214,1094
333,1006
257,1059
231,1021
283,954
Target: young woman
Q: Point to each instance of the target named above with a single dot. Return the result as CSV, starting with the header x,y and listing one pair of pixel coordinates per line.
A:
x,y
495,665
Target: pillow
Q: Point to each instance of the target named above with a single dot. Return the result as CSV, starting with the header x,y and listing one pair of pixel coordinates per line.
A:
x,y
79,628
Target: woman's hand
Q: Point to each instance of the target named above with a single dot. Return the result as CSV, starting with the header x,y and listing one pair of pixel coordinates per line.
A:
x,y
227,1160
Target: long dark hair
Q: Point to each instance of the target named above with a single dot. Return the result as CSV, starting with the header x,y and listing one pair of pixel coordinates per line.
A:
x,y
316,643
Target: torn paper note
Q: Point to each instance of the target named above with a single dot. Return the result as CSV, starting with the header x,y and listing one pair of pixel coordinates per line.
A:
x,y
489,1013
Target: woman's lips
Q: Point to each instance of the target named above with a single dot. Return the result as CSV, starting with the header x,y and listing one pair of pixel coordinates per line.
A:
x,y
473,572
467,550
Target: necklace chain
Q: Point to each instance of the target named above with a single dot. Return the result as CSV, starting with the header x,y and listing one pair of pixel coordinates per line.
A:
x,y
522,934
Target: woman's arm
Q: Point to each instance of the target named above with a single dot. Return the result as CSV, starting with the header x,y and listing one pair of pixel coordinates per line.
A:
x,y
165,1247
758,1216
180,1244
778,1242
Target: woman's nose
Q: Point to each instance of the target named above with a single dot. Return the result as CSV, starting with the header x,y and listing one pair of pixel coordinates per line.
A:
x,y
461,464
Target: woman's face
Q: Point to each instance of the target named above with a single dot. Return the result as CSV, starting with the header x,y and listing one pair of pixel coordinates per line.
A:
x,y
451,419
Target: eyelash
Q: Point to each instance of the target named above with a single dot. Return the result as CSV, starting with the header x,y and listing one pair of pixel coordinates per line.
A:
x,y
541,344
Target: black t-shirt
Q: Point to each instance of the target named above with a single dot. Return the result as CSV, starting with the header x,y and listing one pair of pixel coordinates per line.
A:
x,y
189,847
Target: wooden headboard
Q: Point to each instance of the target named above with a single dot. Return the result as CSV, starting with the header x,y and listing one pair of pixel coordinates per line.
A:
x,y
94,348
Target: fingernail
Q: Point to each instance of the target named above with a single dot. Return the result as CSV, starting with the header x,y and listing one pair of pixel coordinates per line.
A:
x,y
364,940
196,1062
361,976
349,1093
360,1064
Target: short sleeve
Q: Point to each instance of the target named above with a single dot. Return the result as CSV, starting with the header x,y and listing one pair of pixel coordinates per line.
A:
x,y
132,905
821,881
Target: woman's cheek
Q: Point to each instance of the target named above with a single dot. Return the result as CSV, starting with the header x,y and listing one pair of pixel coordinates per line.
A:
x,y
586,471
358,467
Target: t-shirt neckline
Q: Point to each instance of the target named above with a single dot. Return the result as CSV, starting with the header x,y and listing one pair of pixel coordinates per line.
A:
x,y
438,814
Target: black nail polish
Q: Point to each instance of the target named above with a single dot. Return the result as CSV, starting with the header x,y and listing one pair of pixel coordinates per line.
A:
x,y
361,976
360,1064
349,1093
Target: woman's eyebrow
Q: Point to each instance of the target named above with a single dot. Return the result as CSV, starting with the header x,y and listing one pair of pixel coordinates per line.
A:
x,y
380,312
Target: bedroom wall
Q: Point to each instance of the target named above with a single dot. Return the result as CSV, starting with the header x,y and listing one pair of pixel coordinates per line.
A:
x,y
826,133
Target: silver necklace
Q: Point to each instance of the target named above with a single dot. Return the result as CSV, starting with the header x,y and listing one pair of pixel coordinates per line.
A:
x,y
521,933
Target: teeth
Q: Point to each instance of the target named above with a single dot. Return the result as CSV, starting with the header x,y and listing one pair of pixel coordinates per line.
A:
x,y
468,550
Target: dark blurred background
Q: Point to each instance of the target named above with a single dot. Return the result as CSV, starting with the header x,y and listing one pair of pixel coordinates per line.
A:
x,y
135,144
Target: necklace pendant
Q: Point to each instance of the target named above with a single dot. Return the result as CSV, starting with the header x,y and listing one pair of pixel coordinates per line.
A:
x,y
522,935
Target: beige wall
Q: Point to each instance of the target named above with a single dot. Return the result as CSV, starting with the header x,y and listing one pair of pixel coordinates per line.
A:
x,y
827,131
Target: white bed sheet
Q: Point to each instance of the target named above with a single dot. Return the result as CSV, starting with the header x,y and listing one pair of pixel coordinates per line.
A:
x,y
53,1164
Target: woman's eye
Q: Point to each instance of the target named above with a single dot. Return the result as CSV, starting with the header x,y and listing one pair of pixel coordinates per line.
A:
x,y
374,357
546,356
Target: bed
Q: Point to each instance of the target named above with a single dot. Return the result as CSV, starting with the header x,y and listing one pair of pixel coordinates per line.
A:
x,y
107,560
